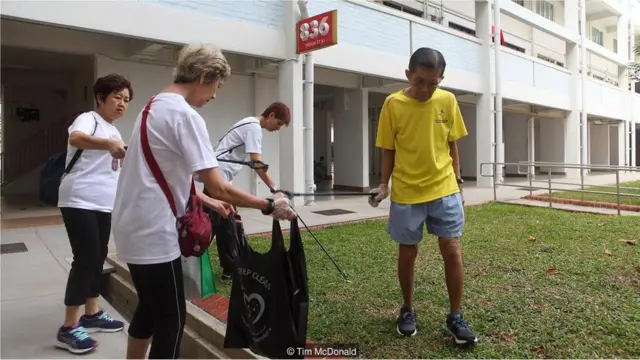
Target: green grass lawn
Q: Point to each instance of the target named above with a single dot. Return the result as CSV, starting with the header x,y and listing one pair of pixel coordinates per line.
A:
x,y
605,197
588,307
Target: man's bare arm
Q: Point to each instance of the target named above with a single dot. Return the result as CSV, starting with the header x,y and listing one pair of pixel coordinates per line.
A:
x,y
453,151
262,173
221,190
388,162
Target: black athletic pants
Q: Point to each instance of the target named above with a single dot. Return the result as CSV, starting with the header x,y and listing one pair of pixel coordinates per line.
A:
x,y
222,241
161,311
89,233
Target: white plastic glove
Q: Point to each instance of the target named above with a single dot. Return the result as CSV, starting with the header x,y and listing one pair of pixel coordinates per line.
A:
x,y
378,194
283,210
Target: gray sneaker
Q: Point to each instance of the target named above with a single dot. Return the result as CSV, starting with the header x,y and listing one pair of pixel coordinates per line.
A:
x,y
407,322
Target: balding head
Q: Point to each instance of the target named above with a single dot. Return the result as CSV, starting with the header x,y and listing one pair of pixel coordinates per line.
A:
x,y
428,58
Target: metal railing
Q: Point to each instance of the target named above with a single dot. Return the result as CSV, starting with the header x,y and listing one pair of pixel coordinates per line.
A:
x,y
530,172
32,151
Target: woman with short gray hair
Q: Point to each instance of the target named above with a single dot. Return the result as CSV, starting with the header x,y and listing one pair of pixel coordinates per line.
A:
x,y
145,231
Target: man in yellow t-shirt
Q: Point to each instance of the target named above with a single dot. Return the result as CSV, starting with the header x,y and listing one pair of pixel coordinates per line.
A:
x,y
418,130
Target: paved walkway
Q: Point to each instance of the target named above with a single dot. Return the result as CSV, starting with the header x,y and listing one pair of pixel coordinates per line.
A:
x,y
33,282
32,309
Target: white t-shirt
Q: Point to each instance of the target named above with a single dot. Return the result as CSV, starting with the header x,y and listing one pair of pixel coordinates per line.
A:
x,y
92,182
244,137
144,227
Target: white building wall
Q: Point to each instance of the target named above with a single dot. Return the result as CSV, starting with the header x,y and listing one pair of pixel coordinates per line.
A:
x,y
351,139
516,137
599,144
266,29
550,146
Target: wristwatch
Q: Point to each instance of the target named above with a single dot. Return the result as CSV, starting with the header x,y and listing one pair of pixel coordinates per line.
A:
x,y
272,206
460,181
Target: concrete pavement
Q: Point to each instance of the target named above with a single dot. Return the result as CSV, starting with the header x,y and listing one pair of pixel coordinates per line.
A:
x,y
32,292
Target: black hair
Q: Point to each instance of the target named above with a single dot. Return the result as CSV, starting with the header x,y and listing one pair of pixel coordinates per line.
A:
x,y
111,83
428,58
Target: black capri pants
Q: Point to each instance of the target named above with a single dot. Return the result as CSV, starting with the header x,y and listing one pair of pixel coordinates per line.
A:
x,y
162,309
89,233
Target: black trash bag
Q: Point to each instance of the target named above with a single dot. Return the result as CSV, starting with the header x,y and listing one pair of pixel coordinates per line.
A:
x,y
226,237
269,303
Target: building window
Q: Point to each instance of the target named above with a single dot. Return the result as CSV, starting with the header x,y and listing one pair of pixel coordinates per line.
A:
x,y
514,47
548,59
464,29
405,9
615,46
544,8
519,2
597,36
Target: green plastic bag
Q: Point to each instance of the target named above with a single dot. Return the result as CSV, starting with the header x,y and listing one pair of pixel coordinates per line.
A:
x,y
207,280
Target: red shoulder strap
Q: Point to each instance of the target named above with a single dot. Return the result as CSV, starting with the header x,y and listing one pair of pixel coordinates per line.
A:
x,y
151,161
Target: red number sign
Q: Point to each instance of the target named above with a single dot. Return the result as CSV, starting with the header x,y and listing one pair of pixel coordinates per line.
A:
x,y
317,32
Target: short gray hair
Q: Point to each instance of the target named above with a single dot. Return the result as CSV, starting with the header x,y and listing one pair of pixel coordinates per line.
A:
x,y
201,61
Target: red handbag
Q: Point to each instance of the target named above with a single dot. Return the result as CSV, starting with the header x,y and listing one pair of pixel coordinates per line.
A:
x,y
194,228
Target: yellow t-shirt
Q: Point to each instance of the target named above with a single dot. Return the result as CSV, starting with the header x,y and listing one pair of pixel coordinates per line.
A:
x,y
420,133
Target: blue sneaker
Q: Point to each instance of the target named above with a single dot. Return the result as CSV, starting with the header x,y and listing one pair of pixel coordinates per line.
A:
x,y
75,339
101,321
406,325
459,328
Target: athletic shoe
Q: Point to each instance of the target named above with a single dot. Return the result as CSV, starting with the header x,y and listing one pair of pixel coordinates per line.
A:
x,y
101,321
460,330
75,339
407,322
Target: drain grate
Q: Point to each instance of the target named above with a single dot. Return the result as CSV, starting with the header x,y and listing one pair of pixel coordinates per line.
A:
x,y
13,248
334,212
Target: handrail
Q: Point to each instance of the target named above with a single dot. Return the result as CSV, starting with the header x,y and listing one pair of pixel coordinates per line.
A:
x,y
558,165
40,132
33,151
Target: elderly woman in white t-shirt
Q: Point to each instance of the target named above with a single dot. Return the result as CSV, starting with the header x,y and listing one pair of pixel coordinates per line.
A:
x,y
144,225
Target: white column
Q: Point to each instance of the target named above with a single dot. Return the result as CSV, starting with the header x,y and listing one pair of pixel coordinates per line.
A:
x,y
531,148
485,130
623,35
623,152
497,86
623,81
572,120
256,182
632,99
584,137
290,91
365,140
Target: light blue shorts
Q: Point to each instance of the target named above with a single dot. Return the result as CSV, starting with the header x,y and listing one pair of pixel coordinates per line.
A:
x,y
444,218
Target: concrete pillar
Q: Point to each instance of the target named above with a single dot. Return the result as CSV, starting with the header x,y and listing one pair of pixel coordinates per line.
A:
x,y
623,139
290,91
351,139
572,119
623,51
632,98
485,130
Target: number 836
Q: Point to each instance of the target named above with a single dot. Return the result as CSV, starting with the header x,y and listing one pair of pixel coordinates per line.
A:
x,y
311,29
